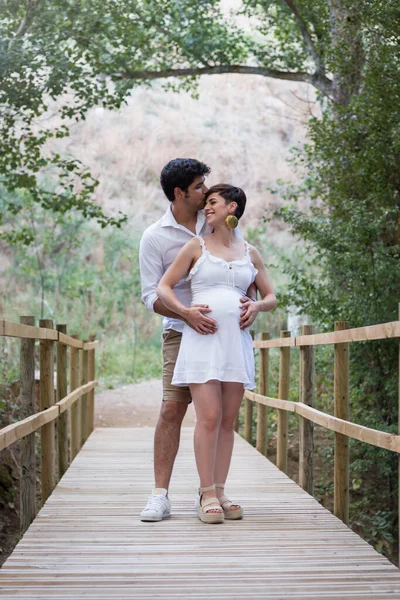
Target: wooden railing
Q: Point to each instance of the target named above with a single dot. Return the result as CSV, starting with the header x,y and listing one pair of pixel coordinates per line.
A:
x,y
308,415
65,419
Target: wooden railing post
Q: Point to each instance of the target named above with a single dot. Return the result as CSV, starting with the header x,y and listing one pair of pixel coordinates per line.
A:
x,y
262,411
61,393
283,394
306,437
74,363
399,454
248,414
46,401
84,399
27,447
91,376
342,411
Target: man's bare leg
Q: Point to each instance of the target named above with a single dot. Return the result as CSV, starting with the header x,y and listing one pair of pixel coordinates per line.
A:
x,y
166,440
166,444
168,431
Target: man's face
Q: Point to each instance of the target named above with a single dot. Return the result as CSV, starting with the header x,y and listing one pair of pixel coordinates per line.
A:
x,y
194,196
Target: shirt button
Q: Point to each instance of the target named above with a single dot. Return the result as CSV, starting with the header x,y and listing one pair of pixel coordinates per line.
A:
x,y
230,267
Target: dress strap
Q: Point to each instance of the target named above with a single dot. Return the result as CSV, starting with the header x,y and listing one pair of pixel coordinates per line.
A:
x,y
202,243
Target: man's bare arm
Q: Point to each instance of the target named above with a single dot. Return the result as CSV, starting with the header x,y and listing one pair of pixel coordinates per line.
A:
x,y
252,291
161,309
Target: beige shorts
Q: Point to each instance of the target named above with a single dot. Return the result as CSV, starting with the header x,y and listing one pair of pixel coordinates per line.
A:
x,y
170,347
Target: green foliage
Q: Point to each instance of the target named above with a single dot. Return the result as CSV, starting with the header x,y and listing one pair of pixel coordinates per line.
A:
x,y
347,266
79,274
123,359
279,43
59,60
276,321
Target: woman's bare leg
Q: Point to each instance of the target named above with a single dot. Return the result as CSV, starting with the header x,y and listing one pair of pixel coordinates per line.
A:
x,y
232,395
208,405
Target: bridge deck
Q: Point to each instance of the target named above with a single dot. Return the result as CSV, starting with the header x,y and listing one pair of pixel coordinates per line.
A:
x,y
87,541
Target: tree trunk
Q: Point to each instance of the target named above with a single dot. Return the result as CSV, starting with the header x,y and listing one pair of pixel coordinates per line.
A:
x,y
347,50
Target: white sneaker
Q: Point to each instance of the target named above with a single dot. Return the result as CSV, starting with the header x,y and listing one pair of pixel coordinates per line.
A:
x,y
158,506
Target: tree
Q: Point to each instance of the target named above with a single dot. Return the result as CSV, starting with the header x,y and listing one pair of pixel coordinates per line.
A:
x,y
350,236
66,57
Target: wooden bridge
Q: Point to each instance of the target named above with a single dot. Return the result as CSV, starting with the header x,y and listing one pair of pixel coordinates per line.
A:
x,y
87,540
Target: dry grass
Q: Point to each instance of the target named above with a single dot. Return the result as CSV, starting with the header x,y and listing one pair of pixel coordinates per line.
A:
x,y
242,126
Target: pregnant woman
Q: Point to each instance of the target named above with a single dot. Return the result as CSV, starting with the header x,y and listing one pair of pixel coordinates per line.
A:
x,y
217,367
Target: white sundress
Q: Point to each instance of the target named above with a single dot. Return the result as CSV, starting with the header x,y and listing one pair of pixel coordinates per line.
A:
x,y
226,355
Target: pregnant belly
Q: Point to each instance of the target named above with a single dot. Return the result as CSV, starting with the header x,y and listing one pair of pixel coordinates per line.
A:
x,y
224,303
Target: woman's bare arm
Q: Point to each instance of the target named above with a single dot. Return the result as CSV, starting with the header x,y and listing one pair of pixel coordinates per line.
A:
x,y
193,315
263,283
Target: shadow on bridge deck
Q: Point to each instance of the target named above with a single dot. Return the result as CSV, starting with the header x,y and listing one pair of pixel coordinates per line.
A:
x,y
88,542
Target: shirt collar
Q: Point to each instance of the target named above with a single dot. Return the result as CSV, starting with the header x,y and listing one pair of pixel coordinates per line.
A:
x,y
168,220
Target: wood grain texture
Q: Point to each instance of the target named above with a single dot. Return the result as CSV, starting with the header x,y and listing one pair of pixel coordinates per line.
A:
x,y
63,419
84,398
74,378
91,376
306,426
47,432
283,392
342,411
262,414
27,447
22,330
382,439
17,431
70,340
358,334
398,459
248,413
87,541
91,345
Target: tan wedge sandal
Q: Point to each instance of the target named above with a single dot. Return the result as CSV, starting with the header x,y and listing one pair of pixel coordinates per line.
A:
x,y
226,504
203,511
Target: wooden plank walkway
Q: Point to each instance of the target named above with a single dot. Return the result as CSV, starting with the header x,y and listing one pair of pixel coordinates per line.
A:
x,y
87,541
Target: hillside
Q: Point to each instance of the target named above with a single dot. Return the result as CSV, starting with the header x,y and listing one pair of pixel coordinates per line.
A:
x,y
242,126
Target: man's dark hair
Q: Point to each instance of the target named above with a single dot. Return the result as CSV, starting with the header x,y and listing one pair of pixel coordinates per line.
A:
x,y
181,173
230,193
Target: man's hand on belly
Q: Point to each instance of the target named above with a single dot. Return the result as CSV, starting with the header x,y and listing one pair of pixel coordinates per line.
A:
x,y
249,312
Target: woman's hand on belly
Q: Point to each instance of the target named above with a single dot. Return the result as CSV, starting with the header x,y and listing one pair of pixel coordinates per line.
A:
x,y
195,318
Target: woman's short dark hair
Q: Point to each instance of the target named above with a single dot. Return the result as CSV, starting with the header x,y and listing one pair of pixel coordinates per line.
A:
x,y
181,172
230,193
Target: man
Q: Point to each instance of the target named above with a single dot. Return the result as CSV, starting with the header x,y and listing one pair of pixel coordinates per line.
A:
x,y
183,182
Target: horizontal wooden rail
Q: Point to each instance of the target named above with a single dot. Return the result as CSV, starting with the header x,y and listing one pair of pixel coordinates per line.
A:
x,y
68,340
358,334
381,439
275,343
90,345
287,405
59,423
17,431
69,400
308,416
17,330
9,329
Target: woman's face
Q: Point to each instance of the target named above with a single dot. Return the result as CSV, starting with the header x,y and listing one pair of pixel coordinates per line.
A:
x,y
216,210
